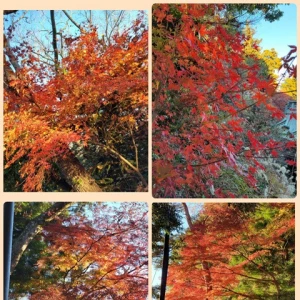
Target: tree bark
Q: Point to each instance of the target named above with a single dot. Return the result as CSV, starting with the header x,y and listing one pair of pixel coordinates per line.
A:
x,y
165,266
33,228
76,176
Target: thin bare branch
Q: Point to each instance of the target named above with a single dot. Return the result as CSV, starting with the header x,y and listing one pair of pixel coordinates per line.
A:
x,y
72,20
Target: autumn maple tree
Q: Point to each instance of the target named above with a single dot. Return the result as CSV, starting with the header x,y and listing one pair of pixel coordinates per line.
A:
x,y
289,86
89,251
83,119
237,251
203,86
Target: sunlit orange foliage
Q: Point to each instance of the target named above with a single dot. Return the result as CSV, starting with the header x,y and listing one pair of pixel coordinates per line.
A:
x,y
98,96
207,268
103,257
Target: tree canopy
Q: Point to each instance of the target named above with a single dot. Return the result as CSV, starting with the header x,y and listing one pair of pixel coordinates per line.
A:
x,y
248,250
76,119
289,86
88,251
214,122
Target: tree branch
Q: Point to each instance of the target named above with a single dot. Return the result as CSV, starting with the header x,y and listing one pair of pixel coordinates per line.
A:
x,y
117,23
285,92
71,19
122,158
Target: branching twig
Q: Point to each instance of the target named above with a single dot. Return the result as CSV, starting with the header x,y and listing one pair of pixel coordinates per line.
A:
x,y
135,149
71,19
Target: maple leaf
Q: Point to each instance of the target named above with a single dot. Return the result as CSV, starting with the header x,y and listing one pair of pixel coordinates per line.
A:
x,y
215,100
98,98
160,14
290,144
291,162
274,153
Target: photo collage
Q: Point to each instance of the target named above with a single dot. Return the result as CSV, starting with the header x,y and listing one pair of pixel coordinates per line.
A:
x,y
150,154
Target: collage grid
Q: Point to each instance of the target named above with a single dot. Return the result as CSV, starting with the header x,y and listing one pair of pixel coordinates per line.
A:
x,y
114,159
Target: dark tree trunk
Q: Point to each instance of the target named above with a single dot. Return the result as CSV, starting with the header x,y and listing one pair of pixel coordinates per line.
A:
x,y
165,266
8,234
33,228
54,43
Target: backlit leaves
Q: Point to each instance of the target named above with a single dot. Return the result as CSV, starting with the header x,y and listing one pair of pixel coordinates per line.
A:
x,y
98,97
236,251
98,252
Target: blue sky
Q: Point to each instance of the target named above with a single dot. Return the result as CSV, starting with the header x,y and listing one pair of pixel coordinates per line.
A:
x,y
38,26
279,34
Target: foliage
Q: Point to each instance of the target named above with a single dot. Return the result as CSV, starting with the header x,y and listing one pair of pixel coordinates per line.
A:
x,y
165,218
97,100
27,211
251,44
203,89
249,251
272,60
288,62
98,251
289,86
269,12
269,60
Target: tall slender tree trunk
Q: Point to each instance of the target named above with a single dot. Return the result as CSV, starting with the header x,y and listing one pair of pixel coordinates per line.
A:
x,y
188,216
54,42
8,235
165,265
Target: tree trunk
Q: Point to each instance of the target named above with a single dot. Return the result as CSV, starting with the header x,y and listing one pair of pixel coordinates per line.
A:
x,y
54,43
165,266
33,228
188,216
205,264
76,176
8,236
